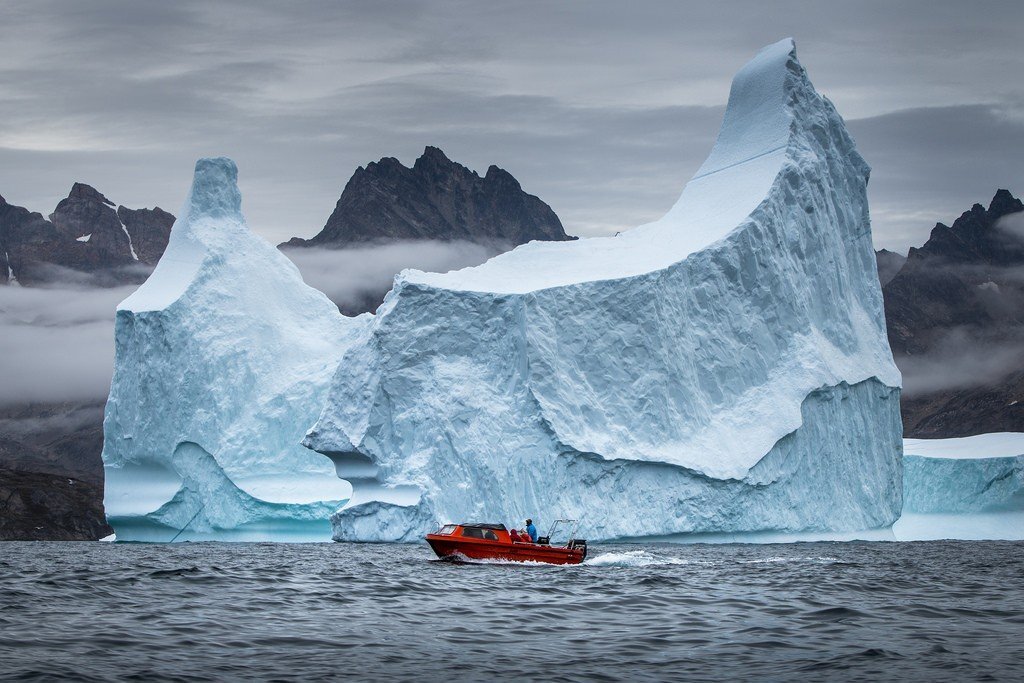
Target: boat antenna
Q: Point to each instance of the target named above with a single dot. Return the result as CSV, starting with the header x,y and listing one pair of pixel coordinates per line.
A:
x,y
188,522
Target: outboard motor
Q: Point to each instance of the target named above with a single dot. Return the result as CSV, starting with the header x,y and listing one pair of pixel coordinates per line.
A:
x,y
580,544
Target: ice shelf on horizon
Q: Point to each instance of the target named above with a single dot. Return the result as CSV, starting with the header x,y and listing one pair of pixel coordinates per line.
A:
x,y
969,488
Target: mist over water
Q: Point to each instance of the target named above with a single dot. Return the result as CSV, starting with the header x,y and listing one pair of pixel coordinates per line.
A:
x,y
212,611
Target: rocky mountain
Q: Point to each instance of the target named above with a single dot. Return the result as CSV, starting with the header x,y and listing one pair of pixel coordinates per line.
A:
x,y
955,318
85,239
51,476
149,230
436,199
889,263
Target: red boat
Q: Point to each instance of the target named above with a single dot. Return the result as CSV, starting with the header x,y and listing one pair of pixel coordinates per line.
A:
x,y
462,542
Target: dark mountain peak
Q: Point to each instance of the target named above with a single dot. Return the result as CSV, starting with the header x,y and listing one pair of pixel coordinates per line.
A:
x,y
88,193
433,155
149,230
384,164
84,240
956,303
889,264
434,167
972,237
436,199
501,177
1004,203
12,215
944,243
87,214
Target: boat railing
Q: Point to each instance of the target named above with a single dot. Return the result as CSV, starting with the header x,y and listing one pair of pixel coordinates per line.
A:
x,y
573,524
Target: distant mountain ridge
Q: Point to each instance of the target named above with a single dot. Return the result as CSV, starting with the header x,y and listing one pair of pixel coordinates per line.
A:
x,y
955,316
436,199
84,235
383,202
889,264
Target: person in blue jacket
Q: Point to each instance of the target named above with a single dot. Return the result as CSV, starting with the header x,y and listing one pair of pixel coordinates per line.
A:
x,y
532,530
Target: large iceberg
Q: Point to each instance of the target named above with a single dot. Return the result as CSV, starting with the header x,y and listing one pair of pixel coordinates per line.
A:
x,y
723,369
223,358
970,487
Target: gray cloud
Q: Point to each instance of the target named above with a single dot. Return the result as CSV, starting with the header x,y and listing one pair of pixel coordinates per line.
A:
x,y
1013,226
929,165
57,344
601,109
962,359
981,353
360,277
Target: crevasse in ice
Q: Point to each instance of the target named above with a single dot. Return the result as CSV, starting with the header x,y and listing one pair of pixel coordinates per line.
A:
x,y
723,369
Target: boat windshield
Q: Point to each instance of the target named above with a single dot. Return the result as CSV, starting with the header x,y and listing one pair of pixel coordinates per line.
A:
x,y
447,530
477,532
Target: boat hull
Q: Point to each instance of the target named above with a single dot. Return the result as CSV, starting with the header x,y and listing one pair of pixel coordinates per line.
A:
x,y
462,549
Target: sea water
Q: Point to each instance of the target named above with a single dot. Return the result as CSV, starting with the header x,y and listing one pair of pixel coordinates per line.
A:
x,y
217,611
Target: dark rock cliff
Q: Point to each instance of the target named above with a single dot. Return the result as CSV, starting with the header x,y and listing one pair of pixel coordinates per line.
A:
x,y
955,317
889,264
436,199
85,240
51,477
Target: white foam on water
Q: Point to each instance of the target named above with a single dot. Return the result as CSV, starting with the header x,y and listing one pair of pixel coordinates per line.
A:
x,y
787,560
632,558
500,562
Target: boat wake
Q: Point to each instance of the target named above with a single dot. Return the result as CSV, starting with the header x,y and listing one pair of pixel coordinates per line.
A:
x,y
643,558
459,558
801,560
632,558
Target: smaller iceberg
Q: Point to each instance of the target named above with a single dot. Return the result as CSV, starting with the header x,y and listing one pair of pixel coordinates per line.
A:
x,y
966,488
223,358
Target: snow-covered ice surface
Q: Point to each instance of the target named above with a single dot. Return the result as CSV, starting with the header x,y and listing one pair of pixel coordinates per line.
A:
x,y
724,369
223,358
994,445
968,488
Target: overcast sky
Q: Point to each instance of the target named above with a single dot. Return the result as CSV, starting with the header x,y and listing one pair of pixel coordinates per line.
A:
x,y
603,110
